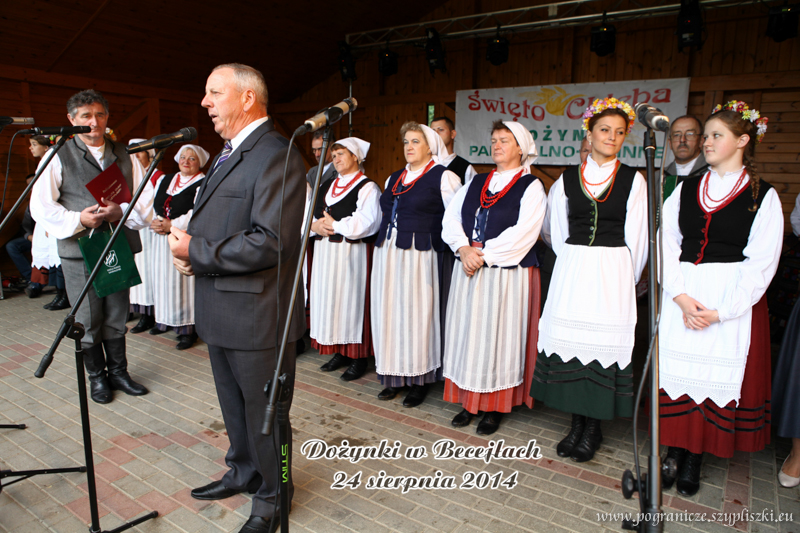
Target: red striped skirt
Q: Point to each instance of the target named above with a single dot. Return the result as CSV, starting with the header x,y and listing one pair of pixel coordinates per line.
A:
x,y
503,400
721,430
353,351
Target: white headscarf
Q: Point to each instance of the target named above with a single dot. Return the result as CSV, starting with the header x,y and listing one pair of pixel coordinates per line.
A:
x,y
435,143
151,151
358,147
202,155
525,141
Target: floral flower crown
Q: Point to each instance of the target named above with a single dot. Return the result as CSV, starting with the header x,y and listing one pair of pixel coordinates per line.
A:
x,y
747,114
598,106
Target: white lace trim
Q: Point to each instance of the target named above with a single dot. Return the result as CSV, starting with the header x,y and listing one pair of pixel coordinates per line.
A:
x,y
721,394
481,391
584,352
620,328
406,374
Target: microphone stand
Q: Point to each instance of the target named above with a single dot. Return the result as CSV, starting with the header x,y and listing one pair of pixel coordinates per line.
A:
x,y
277,389
649,485
75,330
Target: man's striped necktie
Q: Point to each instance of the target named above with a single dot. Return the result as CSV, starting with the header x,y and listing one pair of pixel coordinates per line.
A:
x,y
224,155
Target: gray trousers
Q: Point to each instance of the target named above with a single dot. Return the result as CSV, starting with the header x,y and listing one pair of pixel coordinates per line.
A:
x,y
103,318
240,377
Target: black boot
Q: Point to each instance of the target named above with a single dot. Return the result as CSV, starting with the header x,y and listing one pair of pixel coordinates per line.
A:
x,y
95,363
689,474
416,395
589,443
60,302
118,376
186,341
145,322
568,443
337,361
54,300
489,423
673,463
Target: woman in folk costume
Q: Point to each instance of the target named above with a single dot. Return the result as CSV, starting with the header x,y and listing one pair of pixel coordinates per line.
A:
x,y
722,236
346,219
173,204
493,308
598,226
142,299
407,264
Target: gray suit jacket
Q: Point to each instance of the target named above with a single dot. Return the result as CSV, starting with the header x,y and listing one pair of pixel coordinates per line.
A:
x,y
327,175
234,246
699,168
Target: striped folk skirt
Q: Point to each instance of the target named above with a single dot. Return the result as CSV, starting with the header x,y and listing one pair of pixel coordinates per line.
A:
x,y
483,342
340,292
173,293
404,302
721,430
142,294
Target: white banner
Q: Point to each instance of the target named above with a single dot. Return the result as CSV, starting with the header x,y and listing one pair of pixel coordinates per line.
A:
x,y
553,115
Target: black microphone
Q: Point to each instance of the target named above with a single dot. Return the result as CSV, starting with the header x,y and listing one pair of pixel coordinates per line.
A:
x,y
328,116
652,117
5,121
162,141
63,130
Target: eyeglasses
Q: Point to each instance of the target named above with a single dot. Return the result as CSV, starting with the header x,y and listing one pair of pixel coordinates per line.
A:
x,y
689,135
316,150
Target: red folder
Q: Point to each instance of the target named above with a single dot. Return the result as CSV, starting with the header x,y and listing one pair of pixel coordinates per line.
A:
x,y
110,184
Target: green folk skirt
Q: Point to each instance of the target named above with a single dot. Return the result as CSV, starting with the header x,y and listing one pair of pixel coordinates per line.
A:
x,y
589,390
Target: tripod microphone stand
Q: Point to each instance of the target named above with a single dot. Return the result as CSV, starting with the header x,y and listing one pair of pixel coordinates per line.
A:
x,y
75,330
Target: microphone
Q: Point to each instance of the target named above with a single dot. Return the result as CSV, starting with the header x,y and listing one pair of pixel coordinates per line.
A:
x,y
62,130
328,116
652,117
5,121
162,141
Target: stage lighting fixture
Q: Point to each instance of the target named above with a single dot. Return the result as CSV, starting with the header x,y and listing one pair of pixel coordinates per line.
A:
x,y
497,49
690,25
347,63
782,23
387,62
434,52
604,38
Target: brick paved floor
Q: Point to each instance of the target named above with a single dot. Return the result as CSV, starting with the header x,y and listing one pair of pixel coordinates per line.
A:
x,y
150,451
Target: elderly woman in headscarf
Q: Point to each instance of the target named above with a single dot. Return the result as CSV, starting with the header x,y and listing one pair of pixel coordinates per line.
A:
x,y
173,204
408,261
492,320
142,298
345,223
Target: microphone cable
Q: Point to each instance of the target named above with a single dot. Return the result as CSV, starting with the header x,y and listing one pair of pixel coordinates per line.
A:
x,y
8,170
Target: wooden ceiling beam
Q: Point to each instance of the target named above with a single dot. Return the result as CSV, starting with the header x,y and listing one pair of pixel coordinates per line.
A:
x,y
134,117
29,75
77,35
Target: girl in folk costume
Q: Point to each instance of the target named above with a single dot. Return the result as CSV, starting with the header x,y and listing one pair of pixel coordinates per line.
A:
x,y
722,236
598,227
408,261
174,200
493,308
142,298
345,224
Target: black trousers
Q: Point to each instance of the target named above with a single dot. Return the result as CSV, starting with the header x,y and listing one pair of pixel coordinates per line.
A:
x,y
240,377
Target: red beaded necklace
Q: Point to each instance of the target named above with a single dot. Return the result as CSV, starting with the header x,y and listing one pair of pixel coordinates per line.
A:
x,y
411,185
488,201
611,177
180,183
707,199
337,191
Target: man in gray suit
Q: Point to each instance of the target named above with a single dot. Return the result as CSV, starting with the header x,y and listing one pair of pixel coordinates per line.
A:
x,y
328,172
232,246
685,136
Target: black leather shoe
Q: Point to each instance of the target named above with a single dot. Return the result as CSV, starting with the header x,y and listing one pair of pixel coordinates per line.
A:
x,y
258,524
33,291
462,419
589,443
95,362
145,322
689,474
672,465
565,447
54,300
356,369
217,491
416,395
60,302
489,423
186,341
389,393
117,363
155,331
336,362
99,389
